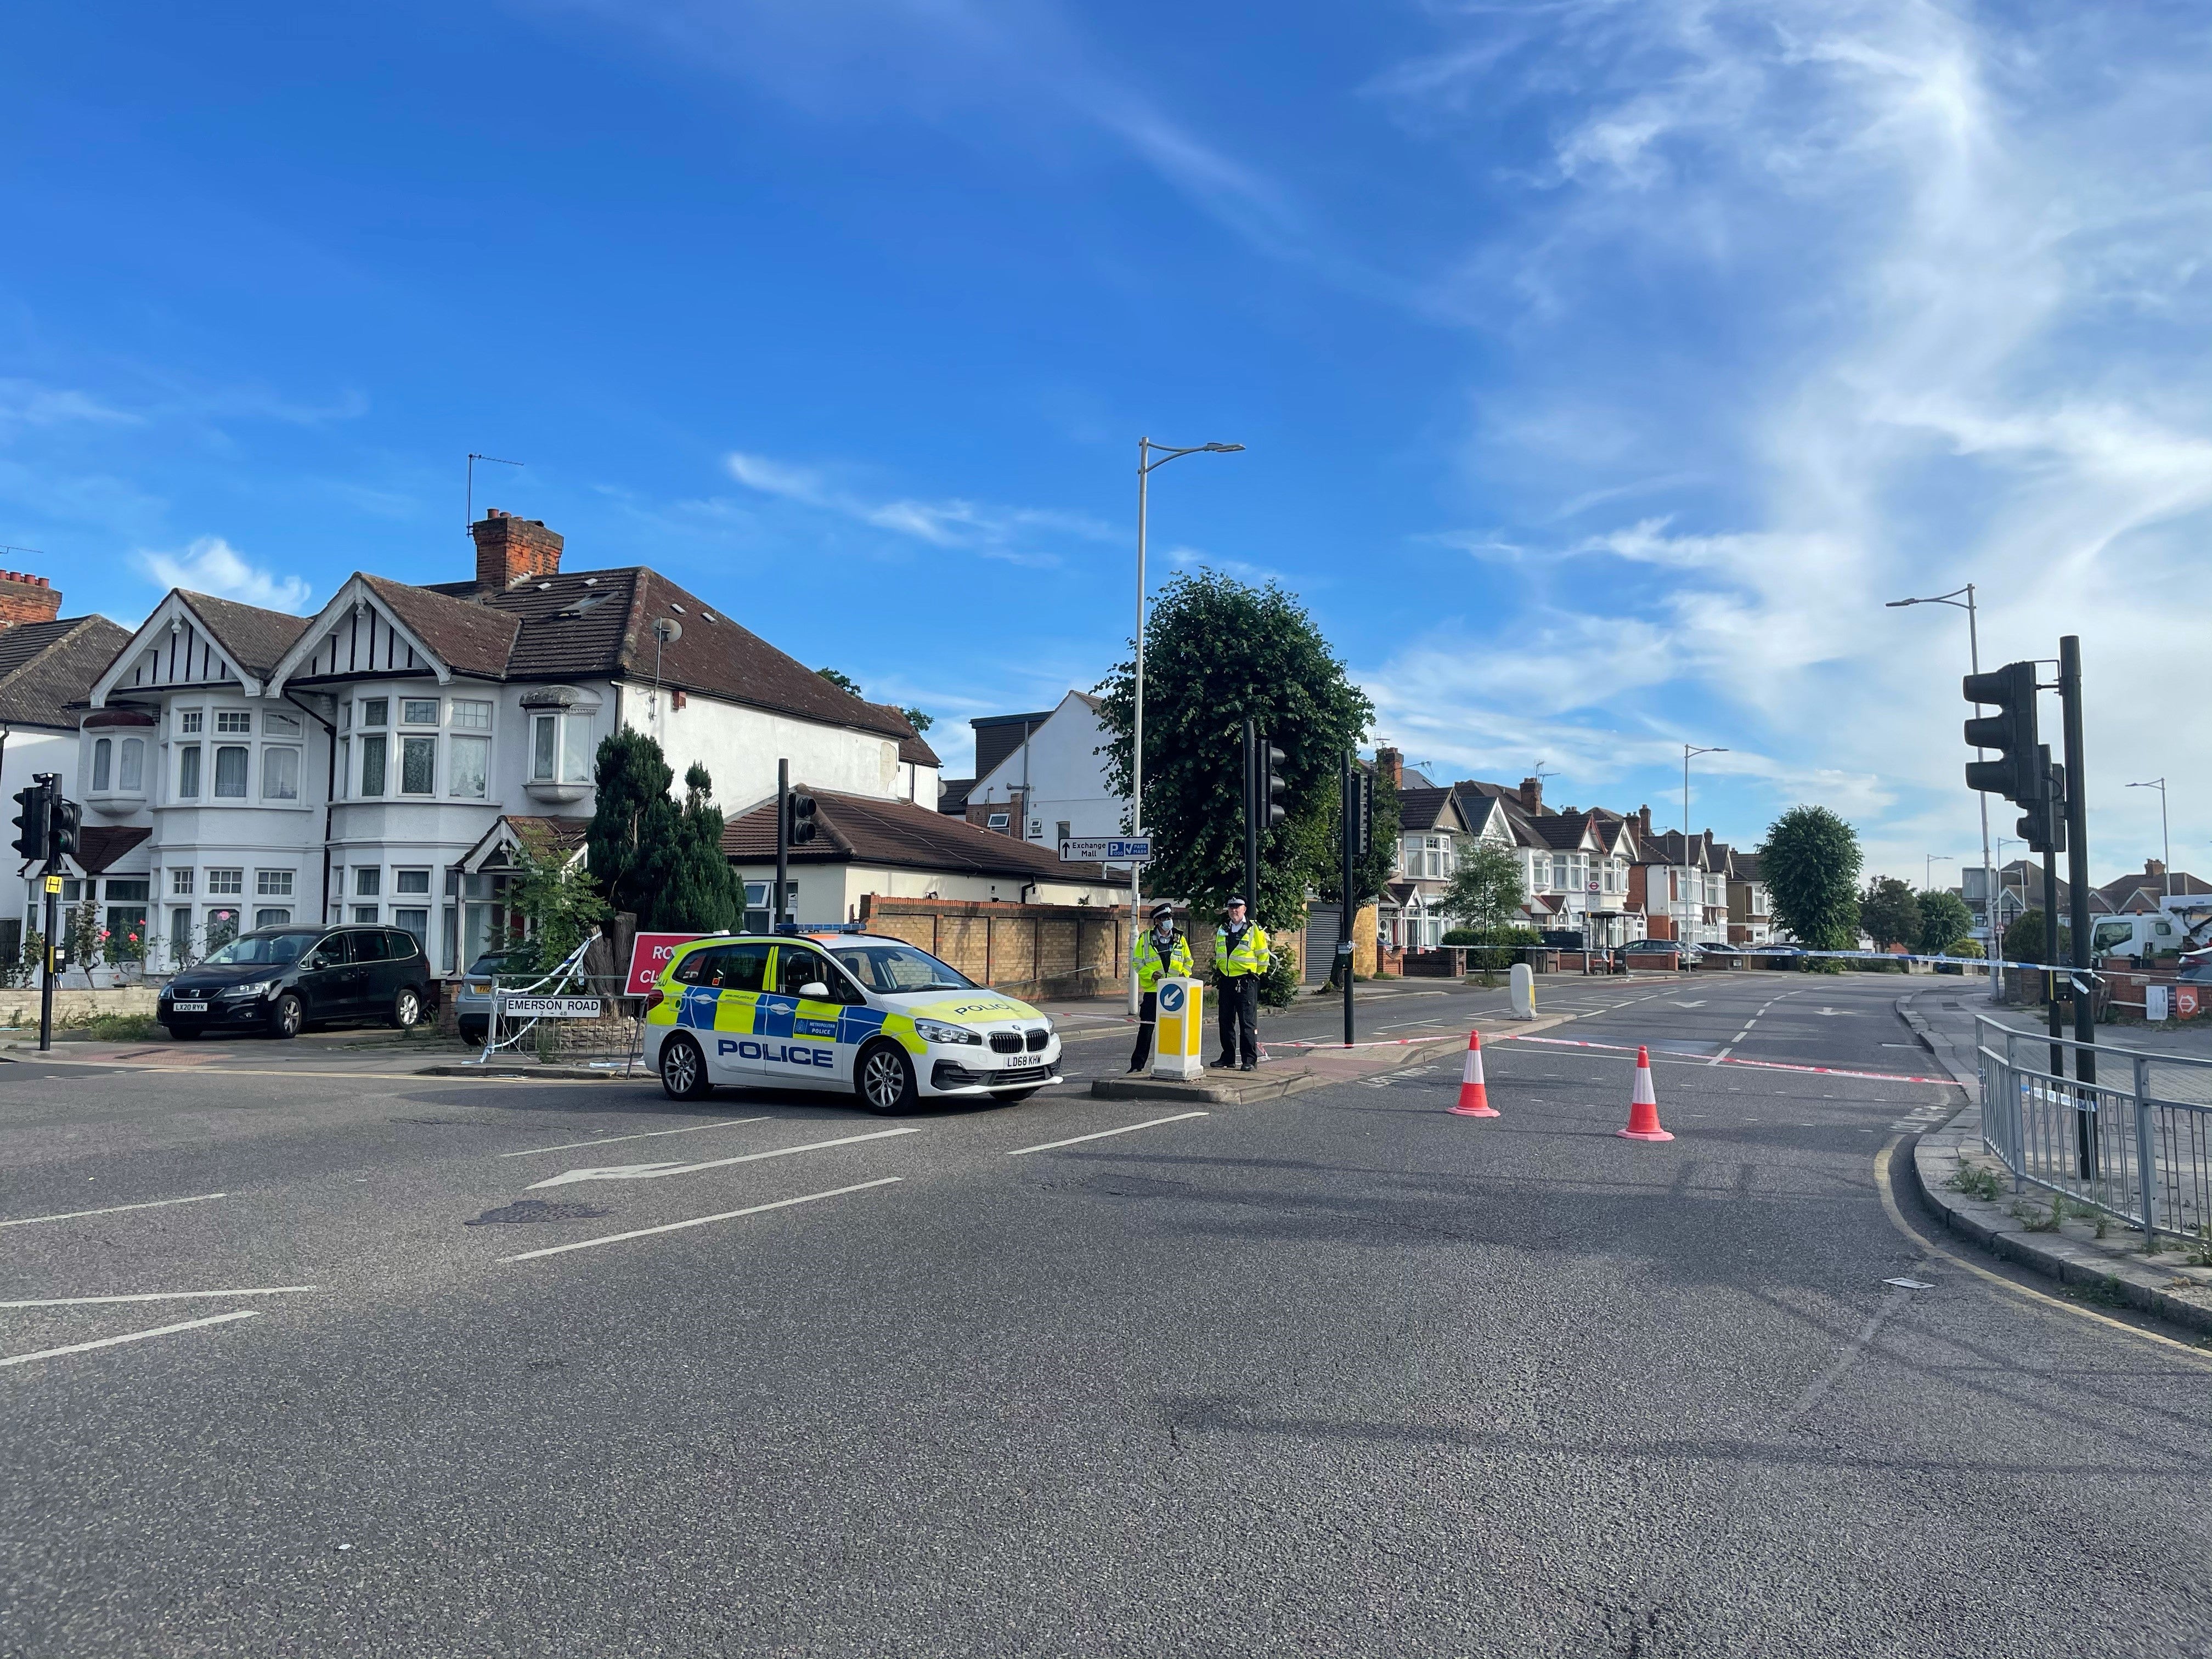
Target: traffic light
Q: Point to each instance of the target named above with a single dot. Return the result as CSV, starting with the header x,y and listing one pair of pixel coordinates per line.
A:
x,y
2018,773
1272,810
803,828
1362,807
68,819
2043,825
31,824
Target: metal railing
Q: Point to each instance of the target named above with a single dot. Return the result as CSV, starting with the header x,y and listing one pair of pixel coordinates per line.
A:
x,y
612,1041
2136,1144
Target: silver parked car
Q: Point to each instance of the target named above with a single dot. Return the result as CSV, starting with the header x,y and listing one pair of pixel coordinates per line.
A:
x,y
472,996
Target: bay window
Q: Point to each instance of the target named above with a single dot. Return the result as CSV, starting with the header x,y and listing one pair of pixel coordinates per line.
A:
x,y
230,771
418,765
280,775
131,772
103,762
468,766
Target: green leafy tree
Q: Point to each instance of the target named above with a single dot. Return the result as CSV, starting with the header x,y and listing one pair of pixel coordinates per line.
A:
x,y
632,840
1217,651
1889,914
1486,891
2023,940
560,901
1944,920
842,682
1811,865
701,893
916,719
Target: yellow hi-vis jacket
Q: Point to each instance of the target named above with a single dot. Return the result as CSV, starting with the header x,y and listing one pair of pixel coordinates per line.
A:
x,y
1251,954
1149,965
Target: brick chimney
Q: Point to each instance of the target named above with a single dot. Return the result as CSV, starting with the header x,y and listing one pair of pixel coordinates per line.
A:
x,y
1532,796
1390,764
2153,867
27,598
1643,822
511,551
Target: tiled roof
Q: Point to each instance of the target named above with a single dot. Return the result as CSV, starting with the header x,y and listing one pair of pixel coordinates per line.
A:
x,y
257,639
913,749
563,834
47,667
98,845
470,639
952,794
861,829
1421,809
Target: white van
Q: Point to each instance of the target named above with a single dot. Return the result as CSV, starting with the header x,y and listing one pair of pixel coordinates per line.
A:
x,y
2153,933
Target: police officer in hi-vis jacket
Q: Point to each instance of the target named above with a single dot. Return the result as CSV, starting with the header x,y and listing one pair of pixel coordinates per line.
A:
x,y
1160,953
1241,956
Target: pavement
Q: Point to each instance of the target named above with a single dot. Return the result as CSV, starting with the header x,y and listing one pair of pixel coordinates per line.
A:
x,y
2106,1259
566,1368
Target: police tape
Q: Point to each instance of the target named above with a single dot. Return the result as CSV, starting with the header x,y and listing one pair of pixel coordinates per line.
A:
x,y
1730,1059
1791,953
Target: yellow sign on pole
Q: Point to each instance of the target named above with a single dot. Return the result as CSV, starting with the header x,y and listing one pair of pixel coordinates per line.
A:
x,y
53,884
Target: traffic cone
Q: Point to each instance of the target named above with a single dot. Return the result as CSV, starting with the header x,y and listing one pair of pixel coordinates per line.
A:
x,y
1643,1105
1474,1093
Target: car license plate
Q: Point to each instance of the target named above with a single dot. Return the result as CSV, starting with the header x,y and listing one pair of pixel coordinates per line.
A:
x,y
1020,1062
188,1007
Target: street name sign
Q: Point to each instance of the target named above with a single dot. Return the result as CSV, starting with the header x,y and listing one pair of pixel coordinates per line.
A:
x,y
1127,849
512,1007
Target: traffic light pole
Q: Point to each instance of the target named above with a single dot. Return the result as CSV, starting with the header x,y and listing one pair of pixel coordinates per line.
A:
x,y
2077,877
2051,957
53,886
782,843
1346,946
1252,810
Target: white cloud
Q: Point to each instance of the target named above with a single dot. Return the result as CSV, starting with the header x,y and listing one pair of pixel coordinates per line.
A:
x,y
212,565
27,403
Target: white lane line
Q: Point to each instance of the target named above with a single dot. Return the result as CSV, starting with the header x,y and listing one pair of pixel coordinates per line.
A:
x,y
73,1215
654,1171
648,1134
134,1336
159,1296
699,1221
1126,1128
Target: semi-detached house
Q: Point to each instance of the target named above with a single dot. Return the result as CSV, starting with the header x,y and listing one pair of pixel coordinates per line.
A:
x,y
380,760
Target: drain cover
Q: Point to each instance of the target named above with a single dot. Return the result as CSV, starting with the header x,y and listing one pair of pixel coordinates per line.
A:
x,y
534,1209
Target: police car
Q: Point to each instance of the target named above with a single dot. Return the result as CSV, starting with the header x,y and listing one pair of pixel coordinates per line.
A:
x,y
840,1012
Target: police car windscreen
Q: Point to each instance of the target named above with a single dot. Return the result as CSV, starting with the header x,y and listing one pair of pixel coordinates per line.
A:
x,y
898,967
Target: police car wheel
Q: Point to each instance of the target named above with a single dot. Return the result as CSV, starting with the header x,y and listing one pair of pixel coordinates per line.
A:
x,y
884,1079
682,1069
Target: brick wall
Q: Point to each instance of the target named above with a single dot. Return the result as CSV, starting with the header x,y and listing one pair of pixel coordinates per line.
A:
x,y
27,598
510,551
1031,951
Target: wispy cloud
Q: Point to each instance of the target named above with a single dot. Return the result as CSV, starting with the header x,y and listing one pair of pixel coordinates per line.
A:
x,y
27,403
212,565
1008,533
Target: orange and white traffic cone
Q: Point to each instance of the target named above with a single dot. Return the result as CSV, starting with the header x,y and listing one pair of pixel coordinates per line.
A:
x,y
1474,1093
1644,1105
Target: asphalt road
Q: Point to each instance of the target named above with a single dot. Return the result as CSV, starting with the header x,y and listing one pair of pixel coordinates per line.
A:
x,y
1342,1374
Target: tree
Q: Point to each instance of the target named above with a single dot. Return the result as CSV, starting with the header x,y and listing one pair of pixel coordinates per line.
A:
x,y
1217,651
2023,940
559,901
842,682
1944,920
1485,890
1889,913
916,719
1811,866
634,826
701,893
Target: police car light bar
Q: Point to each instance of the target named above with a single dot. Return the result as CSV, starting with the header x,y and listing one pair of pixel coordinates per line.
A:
x,y
798,928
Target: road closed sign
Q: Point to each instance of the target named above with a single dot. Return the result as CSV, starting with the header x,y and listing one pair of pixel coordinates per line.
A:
x,y
649,960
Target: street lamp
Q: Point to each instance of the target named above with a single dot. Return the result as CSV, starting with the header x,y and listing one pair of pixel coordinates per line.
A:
x,y
1687,751
1928,870
1974,663
1146,450
2166,838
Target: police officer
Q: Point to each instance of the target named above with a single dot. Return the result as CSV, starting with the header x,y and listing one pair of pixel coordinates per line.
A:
x,y
1162,953
1241,956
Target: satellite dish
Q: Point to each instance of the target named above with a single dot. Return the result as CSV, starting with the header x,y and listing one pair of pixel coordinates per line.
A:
x,y
667,630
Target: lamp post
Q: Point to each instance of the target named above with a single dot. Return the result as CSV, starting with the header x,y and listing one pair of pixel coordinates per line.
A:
x,y
1146,449
1928,870
1687,751
1974,663
2165,837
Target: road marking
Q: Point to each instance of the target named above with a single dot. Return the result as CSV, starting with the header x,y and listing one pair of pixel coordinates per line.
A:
x,y
72,1215
699,1221
654,1171
1817,1389
133,1336
1881,1160
159,1296
1126,1128
648,1134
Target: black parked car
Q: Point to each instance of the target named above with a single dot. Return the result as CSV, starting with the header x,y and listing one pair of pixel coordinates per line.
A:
x,y
282,980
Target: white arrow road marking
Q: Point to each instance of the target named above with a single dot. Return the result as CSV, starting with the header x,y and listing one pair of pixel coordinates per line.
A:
x,y
1699,1003
700,1221
654,1171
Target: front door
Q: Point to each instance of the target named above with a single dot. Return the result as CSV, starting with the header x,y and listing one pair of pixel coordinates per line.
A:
x,y
799,1033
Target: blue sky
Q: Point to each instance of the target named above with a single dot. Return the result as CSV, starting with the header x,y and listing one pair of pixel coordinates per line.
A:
x,y
1603,367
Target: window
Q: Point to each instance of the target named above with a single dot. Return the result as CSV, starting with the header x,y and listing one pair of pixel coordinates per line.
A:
x,y
471,716
103,762
233,719
72,889
230,771
372,763
280,775
449,940
375,711
727,967
135,890
221,926
225,881
544,734
367,881
368,947
181,883
273,884
997,820
418,766
796,969
277,725
180,930
188,720
468,761
411,881
130,776
269,917
1063,829
188,773
364,912
415,925
418,711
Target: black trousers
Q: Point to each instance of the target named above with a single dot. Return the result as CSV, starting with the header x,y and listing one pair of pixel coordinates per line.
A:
x,y
1240,1019
1148,1010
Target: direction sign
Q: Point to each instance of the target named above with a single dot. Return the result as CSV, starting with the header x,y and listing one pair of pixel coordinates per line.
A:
x,y
1127,849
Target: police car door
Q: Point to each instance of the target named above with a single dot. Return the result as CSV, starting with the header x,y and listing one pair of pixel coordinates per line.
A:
x,y
798,1033
720,1006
